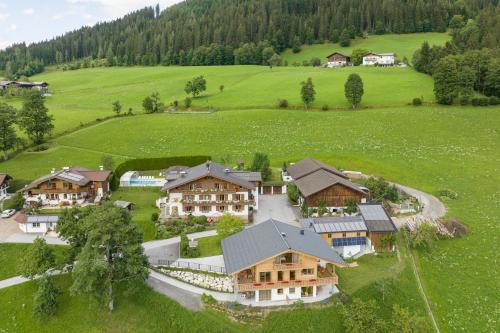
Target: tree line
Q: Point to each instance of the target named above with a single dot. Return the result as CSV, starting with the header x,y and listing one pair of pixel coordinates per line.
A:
x,y
467,64
224,32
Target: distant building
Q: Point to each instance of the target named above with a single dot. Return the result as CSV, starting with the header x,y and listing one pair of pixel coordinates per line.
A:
x,y
69,185
355,235
275,261
4,185
210,189
338,59
316,181
40,86
381,59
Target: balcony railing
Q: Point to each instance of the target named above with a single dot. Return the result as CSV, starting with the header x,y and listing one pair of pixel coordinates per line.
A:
x,y
283,266
285,284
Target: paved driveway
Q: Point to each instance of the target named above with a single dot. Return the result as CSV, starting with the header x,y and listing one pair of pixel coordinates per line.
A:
x,y
8,227
276,207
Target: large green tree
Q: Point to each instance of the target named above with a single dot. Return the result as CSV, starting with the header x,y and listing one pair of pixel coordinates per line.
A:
x,y
229,224
261,164
404,321
345,38
307,92
34,117
446,80
361,317
8,136
196,86
353,89
45,299
112,253
37,260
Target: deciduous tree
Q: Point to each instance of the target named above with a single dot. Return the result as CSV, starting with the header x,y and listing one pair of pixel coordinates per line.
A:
x,y
8,136
196,86
307,92
261,163
45,299
353,89
34,117
228,225
361,317
117,107
37,260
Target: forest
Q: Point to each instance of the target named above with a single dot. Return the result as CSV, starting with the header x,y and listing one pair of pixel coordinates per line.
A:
x,y
225,32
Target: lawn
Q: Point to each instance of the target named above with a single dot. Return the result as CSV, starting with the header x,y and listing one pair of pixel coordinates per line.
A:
x,y
429,148
144,311
144,200
402,45
10,255
209,246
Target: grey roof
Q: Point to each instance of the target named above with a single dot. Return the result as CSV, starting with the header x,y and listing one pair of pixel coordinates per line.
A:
x,y
75,175
309,165
320,180
251,176
174,172
208,169
42,218
122,203
334,224
270,238
376,218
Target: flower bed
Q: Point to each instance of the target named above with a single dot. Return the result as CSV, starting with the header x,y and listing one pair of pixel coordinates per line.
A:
x,y
211,281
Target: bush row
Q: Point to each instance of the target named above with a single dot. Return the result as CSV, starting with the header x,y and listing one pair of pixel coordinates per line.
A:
x,y
143,164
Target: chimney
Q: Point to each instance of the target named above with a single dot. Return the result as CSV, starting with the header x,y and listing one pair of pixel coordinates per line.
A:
x,y
301,231
208,165
101,167
310,224
52,171
283,234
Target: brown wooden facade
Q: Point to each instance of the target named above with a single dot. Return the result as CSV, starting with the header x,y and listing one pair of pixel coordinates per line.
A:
x,y
289,269
58,186
336,196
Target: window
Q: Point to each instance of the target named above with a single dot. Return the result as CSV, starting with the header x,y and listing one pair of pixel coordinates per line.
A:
x,y
188,198
306,291
280,275
280,291
66,185
292,275
221,208
36,224
287,258
221,197
205,197
358,234
205,209
217,186
329,235
238,197
344,234
291,291
265,276
264,295
193,186
188,209
308,271
238,208
349,241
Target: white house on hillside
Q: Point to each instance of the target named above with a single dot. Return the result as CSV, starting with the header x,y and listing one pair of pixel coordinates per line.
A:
x,y
381,59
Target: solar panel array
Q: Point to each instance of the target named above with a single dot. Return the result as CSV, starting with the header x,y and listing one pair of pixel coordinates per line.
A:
x,y
340,224
373,213
71,176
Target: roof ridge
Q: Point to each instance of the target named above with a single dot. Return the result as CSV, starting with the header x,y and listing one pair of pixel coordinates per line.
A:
x,y
281,235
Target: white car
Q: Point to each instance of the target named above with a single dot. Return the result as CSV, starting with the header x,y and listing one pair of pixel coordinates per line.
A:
x,y
8,213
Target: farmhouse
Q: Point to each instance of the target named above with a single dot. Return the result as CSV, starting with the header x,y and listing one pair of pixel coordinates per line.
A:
x,y
355,235
317,181
211,189
40,86
67,186
36,223
275,261
381,59
4,185
337,59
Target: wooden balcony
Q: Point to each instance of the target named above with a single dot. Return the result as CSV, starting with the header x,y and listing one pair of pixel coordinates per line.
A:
x,y
216,202
285,266
319,281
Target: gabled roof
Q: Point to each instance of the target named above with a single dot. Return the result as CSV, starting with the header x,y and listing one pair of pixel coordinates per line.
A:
x,y
309,165
320,180
332,224
23,218
75,175
376,218
209,169
271,238
379,54
338,54
4,177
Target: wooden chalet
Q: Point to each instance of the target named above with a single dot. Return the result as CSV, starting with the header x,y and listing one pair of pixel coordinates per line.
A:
x,y
68,186
317,181
275,261
210,190
337,59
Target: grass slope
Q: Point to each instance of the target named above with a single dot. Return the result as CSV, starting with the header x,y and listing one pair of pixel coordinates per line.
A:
x,y
402,45
144,311
428,148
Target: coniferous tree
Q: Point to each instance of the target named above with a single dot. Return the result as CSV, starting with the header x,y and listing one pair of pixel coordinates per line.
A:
x,y
345,38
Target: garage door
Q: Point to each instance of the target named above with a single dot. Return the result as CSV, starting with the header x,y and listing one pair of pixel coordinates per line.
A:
x,y
277,190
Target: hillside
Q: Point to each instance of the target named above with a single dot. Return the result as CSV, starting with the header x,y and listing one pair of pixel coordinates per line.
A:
x,y
402,45
200,32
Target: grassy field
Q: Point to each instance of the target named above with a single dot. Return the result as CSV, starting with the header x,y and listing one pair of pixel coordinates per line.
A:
x,y
210,246
402,45
11,253
144,311
429,148
144,200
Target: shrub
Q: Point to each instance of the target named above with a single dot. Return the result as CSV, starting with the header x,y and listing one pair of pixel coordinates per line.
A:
x,y
282,103
40,148
186,251
464,100
16,202
316,62
325,107
187,102
417,101
494,100
292,192
475,101
306,63
228,225
208,299
154,217
484,101
175,103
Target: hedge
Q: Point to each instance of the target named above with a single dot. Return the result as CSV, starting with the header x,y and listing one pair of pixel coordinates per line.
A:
x,y
144,164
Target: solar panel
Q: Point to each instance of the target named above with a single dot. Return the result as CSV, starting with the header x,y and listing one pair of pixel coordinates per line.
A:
x,y
72,176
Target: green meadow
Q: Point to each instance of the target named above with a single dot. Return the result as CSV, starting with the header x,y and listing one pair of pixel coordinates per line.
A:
x,y
402,45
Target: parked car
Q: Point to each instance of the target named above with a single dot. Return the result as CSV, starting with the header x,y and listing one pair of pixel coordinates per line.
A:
x,y
8,213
